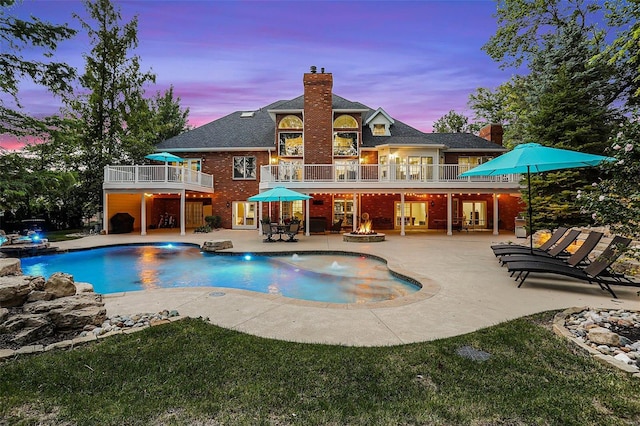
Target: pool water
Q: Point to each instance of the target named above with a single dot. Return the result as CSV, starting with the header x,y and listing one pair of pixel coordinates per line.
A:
x,y
322,278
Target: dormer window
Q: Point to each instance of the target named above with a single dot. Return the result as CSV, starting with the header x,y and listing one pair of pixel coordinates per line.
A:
x,y
380,123
379,130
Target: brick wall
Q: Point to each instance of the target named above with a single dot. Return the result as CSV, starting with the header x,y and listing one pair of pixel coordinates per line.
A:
x,y
318,118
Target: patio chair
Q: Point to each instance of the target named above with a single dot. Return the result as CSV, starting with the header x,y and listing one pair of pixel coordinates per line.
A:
x,y
336,227
596,272
267,231
502,249
291,232
559,250
580,257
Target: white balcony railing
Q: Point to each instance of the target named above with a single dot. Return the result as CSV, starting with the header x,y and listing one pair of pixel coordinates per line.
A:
x,y
310,173
145,174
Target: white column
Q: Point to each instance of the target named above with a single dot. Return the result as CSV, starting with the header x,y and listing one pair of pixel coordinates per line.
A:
x,y
495,214
143,215
354,225
306,220
449,214
105,212
259,217
402,213
183,209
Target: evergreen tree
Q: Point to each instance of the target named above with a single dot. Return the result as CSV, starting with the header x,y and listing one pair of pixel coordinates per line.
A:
x,y
114,86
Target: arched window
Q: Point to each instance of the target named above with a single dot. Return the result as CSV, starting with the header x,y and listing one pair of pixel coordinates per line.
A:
x,y
345,122
290,122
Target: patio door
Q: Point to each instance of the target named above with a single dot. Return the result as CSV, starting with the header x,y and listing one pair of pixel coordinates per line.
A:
x,y
244,215
475,214
194,215
416,215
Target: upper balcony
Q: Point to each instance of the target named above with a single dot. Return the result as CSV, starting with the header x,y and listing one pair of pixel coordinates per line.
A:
x,y
156,177
381,176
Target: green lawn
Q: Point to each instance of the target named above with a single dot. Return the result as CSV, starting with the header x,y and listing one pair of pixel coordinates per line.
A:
x,y
190,372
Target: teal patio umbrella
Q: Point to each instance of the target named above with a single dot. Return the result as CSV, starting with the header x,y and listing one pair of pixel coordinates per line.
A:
x,y
279,193
534,158
166,157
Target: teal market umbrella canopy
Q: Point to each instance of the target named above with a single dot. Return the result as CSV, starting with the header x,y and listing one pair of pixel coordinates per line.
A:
x,y
534,158
166,157
279,193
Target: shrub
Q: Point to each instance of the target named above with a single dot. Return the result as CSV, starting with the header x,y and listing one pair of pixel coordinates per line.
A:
x,y
214,221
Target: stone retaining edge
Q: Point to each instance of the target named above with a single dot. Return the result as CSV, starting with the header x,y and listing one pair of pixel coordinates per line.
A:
x,y
71,344
560,330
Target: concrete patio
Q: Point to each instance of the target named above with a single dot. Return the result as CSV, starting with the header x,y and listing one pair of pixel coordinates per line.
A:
x,y
464,289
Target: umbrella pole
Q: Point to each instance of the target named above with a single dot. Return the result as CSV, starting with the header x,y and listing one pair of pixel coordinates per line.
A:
x,y
530,210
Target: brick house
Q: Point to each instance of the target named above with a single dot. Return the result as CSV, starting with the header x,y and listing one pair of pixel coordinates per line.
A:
x,y
350,158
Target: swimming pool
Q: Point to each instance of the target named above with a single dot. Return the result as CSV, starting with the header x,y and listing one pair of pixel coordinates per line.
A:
x,y
322,278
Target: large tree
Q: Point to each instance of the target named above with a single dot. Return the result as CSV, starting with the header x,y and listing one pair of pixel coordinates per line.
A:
x,y
568,94
452,122
33,35
113,84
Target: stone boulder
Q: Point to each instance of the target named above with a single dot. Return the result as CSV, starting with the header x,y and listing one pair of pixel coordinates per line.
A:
x,y
59,285
27,328
14,290
603,336
71,312
10,267
215,245
84,288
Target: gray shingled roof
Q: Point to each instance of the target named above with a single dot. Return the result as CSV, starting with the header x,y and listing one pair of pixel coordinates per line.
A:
x,y
258,131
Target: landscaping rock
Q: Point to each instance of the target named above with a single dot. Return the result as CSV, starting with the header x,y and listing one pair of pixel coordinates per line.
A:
x,y
215,245
60,285
14,290
28,328
36,295
10,267
603,336
84,288
71,312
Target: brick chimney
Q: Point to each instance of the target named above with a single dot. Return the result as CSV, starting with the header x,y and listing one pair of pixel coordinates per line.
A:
x,y
318,117
492,132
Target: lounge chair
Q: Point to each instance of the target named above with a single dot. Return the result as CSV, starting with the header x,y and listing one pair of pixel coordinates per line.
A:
x,y
557,234
580,257
559,250
596,272
291,232
503,249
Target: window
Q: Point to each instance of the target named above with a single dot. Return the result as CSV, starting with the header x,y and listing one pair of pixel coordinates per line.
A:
x,y
467,163
290,144
244,168
290,171
345,143
290,122
379,130
345,122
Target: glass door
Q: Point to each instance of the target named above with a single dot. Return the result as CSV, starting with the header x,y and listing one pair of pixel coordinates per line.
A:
x,y
244,215
475,214
343,209
416,215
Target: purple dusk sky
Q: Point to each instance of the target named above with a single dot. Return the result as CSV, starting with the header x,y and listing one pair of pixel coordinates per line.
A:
x,y
416,59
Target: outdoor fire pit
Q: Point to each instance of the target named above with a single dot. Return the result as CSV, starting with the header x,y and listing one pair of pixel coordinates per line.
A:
x,y
364,233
